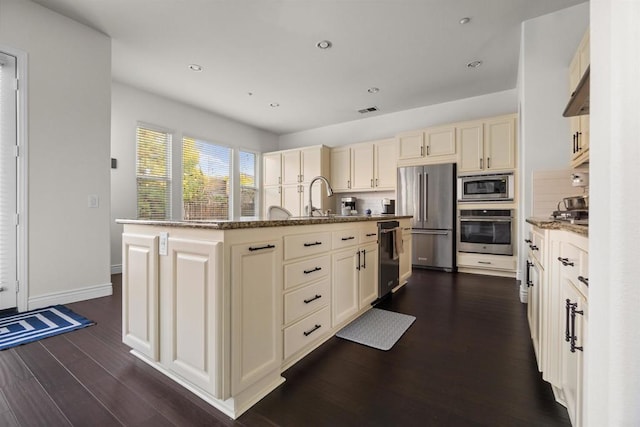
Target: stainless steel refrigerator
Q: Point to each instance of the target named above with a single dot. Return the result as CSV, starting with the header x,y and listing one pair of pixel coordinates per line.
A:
x,y
428,194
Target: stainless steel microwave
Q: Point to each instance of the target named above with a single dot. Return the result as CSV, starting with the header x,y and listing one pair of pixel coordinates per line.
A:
x,y
486,188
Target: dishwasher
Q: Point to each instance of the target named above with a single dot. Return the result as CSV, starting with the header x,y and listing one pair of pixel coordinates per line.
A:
x,y
388,257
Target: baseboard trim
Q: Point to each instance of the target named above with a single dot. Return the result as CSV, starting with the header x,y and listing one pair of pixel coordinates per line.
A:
x,y
116,269
66,297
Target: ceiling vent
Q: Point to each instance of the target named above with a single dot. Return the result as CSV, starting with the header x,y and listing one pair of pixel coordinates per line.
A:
x,y
368,110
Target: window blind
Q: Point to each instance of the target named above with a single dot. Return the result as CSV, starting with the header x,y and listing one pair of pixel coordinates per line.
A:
x,y
248,184
153,173
206,172
8,177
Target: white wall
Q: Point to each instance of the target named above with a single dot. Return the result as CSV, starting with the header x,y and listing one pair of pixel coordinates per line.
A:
x,y
547,46
613,371
69,84
388,125
131,106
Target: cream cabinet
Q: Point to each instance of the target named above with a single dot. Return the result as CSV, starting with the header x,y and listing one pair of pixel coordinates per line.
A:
x,y
535,283
272,196
488,145
580,134
367,166
140,294
367,275
344,285
405,256
433,145
256,299
189,285
271,169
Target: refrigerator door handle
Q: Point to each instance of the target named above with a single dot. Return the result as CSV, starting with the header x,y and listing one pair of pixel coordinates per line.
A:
x,y
420,213
432,232
425,200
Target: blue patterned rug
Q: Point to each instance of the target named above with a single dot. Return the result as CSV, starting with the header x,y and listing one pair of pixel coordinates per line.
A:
x,y
377,328
22,328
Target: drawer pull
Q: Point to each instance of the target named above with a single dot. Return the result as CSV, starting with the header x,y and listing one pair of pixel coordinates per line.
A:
x,y
259,248
371,234
348,238
312,244
312,270
484,262
533,247
584,280
528,241
307,301
565,261
312,330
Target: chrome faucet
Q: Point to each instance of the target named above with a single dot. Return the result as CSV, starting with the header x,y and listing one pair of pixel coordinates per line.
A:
x,y
310,207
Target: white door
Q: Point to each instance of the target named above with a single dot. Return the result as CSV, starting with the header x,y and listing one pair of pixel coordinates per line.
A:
x,y
8,183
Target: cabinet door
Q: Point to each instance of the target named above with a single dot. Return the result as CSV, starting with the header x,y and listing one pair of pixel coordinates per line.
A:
x,y
440,142
191,286
499,142
572,362
272,164
368,275
291,167
140,294
341,168
271,197
471,140
411,145
256,312
345,285
291,199
362,167
311,163
385,164
533,305
405,256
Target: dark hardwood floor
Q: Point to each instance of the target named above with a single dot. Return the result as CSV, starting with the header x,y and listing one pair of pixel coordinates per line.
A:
x,y
466,361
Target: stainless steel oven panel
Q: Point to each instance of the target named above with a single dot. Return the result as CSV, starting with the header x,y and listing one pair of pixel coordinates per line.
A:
x,y
506,196
485,247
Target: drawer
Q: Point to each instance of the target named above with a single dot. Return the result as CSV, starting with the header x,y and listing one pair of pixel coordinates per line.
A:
x,y
496,262
369,233
570,257
345,238
306,331
301,245
303,301
298,273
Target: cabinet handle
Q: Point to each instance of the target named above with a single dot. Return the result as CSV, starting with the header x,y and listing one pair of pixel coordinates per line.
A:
x,y
484,262
259,248
358,266
578,140
574,144
371,182
348,238
313,270
376,182
481,160
528,274
421,151
312,330
565,261
584,280
533,248
371,234
528,241
312,244
364,258
574,337
307,301
567,308
428,150
348,183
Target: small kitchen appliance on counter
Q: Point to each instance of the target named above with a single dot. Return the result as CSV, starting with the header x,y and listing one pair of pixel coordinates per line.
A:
x,y
576,210
348,206
388,206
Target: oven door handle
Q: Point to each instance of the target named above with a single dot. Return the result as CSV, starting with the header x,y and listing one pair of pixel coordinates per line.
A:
x,y
486,219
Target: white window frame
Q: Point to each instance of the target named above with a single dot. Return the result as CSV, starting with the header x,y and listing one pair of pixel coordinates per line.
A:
x,y
258,174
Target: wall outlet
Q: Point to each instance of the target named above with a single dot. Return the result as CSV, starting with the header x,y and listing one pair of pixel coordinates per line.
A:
x,y
94,201
164,237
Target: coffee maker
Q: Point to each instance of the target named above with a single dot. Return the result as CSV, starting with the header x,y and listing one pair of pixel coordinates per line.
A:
x,y
388,206
347,205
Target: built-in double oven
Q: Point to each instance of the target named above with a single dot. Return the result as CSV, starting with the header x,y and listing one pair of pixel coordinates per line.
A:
x,y
486,231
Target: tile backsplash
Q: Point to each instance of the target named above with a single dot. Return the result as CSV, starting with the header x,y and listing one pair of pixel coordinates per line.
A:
x,y
549,188
367,200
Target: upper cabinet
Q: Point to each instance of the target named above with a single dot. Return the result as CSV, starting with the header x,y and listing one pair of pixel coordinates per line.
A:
x,y
272,169
579,124
433,145
488,145
367,166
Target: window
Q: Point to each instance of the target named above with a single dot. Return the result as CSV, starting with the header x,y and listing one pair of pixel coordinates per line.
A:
x,y
153,173
206,172
248,184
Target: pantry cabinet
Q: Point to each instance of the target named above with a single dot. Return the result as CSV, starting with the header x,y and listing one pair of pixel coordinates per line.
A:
x,y
487,146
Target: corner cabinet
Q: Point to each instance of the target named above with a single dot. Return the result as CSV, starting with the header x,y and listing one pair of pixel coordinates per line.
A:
x,y
488,145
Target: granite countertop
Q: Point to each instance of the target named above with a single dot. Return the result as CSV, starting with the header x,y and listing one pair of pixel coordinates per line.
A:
x,y
261,222
554,224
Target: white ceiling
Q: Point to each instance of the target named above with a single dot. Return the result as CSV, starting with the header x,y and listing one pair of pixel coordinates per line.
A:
x,y
415,51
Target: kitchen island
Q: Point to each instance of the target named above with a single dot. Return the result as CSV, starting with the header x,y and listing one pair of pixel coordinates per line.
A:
x,y
224,307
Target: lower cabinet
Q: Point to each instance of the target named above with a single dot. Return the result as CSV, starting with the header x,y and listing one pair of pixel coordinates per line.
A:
x,y
368,275
256,301
405,256
534,290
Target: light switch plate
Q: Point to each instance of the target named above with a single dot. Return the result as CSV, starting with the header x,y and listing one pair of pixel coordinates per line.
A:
x,y
93,201
164,237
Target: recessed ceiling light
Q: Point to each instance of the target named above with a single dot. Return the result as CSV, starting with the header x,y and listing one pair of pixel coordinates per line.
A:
x,y
324,44
474,64
373,90
465,20
195,67
274,104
